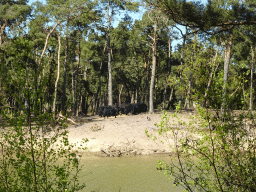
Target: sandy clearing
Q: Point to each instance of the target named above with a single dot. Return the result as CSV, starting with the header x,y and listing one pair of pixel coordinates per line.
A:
x,y
123,135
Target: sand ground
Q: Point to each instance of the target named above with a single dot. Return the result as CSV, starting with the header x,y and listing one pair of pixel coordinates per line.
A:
x,y
124,135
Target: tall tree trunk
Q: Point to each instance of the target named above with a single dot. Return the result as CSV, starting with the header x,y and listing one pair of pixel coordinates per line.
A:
x,y
211,76
46,42
58,76
132,98
63,103
110,96
84,98
119,96
152,82
226,68
100,82
170,99
187,101
98,97
2,28
169,71
251,89
73,90
138,80
182,63
78,67
145,87
154,60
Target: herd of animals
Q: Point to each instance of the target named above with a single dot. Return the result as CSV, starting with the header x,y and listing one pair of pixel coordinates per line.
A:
x,y
108,111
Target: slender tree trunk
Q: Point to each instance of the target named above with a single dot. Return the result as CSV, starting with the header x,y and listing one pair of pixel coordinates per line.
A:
x,y
182,63
138,90
145,87
226,68
211,76
187,101
132,98
78,67
63,103
73,90
251,89
165,93
170,99
100,78
119,96
154,60
2,28
151,90
138,80
46,42
100,82
169,71
98,97
110,96
58,76
84,105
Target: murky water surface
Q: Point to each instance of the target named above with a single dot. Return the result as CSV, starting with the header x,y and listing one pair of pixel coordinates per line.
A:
x,y
131,174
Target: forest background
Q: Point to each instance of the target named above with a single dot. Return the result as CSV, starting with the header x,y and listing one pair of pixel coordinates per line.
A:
x,y
71,86
66,58
94,64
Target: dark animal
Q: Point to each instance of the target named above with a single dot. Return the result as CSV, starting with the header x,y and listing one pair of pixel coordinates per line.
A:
x,y
143,107
133,108
107,111
100,111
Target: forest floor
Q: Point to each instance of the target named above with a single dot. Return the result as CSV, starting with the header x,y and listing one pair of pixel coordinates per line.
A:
x,y
124,135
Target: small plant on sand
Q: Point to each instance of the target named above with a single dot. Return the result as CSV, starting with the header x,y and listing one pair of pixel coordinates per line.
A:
x,y
212,152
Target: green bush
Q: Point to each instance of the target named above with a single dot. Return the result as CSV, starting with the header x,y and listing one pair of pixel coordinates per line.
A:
x,y
35,155
212,152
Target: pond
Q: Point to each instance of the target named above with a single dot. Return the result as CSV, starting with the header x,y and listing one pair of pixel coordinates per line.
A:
x,y
136,173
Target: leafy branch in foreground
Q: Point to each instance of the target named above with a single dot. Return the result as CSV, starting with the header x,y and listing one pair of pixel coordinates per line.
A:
x,y
211,154
35,155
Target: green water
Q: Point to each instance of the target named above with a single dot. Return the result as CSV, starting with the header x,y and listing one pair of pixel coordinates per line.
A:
x,y
105,174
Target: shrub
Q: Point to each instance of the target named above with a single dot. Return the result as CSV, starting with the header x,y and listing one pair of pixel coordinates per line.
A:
x,y
212,152
35,155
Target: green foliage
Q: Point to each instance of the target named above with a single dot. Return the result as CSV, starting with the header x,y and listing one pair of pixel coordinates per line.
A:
x,y
211,154
36,155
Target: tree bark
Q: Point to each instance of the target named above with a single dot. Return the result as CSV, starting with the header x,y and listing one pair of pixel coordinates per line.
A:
x,y
119,96
2,28
145,87
169,71
46,42
182,63
73,90
251,89
211,76
170,99
138,81
226,68
151,90
154,60
110,96
63,103
58,76
187,101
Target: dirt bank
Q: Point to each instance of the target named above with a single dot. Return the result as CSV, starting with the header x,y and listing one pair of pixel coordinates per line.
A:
x,y
123,135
